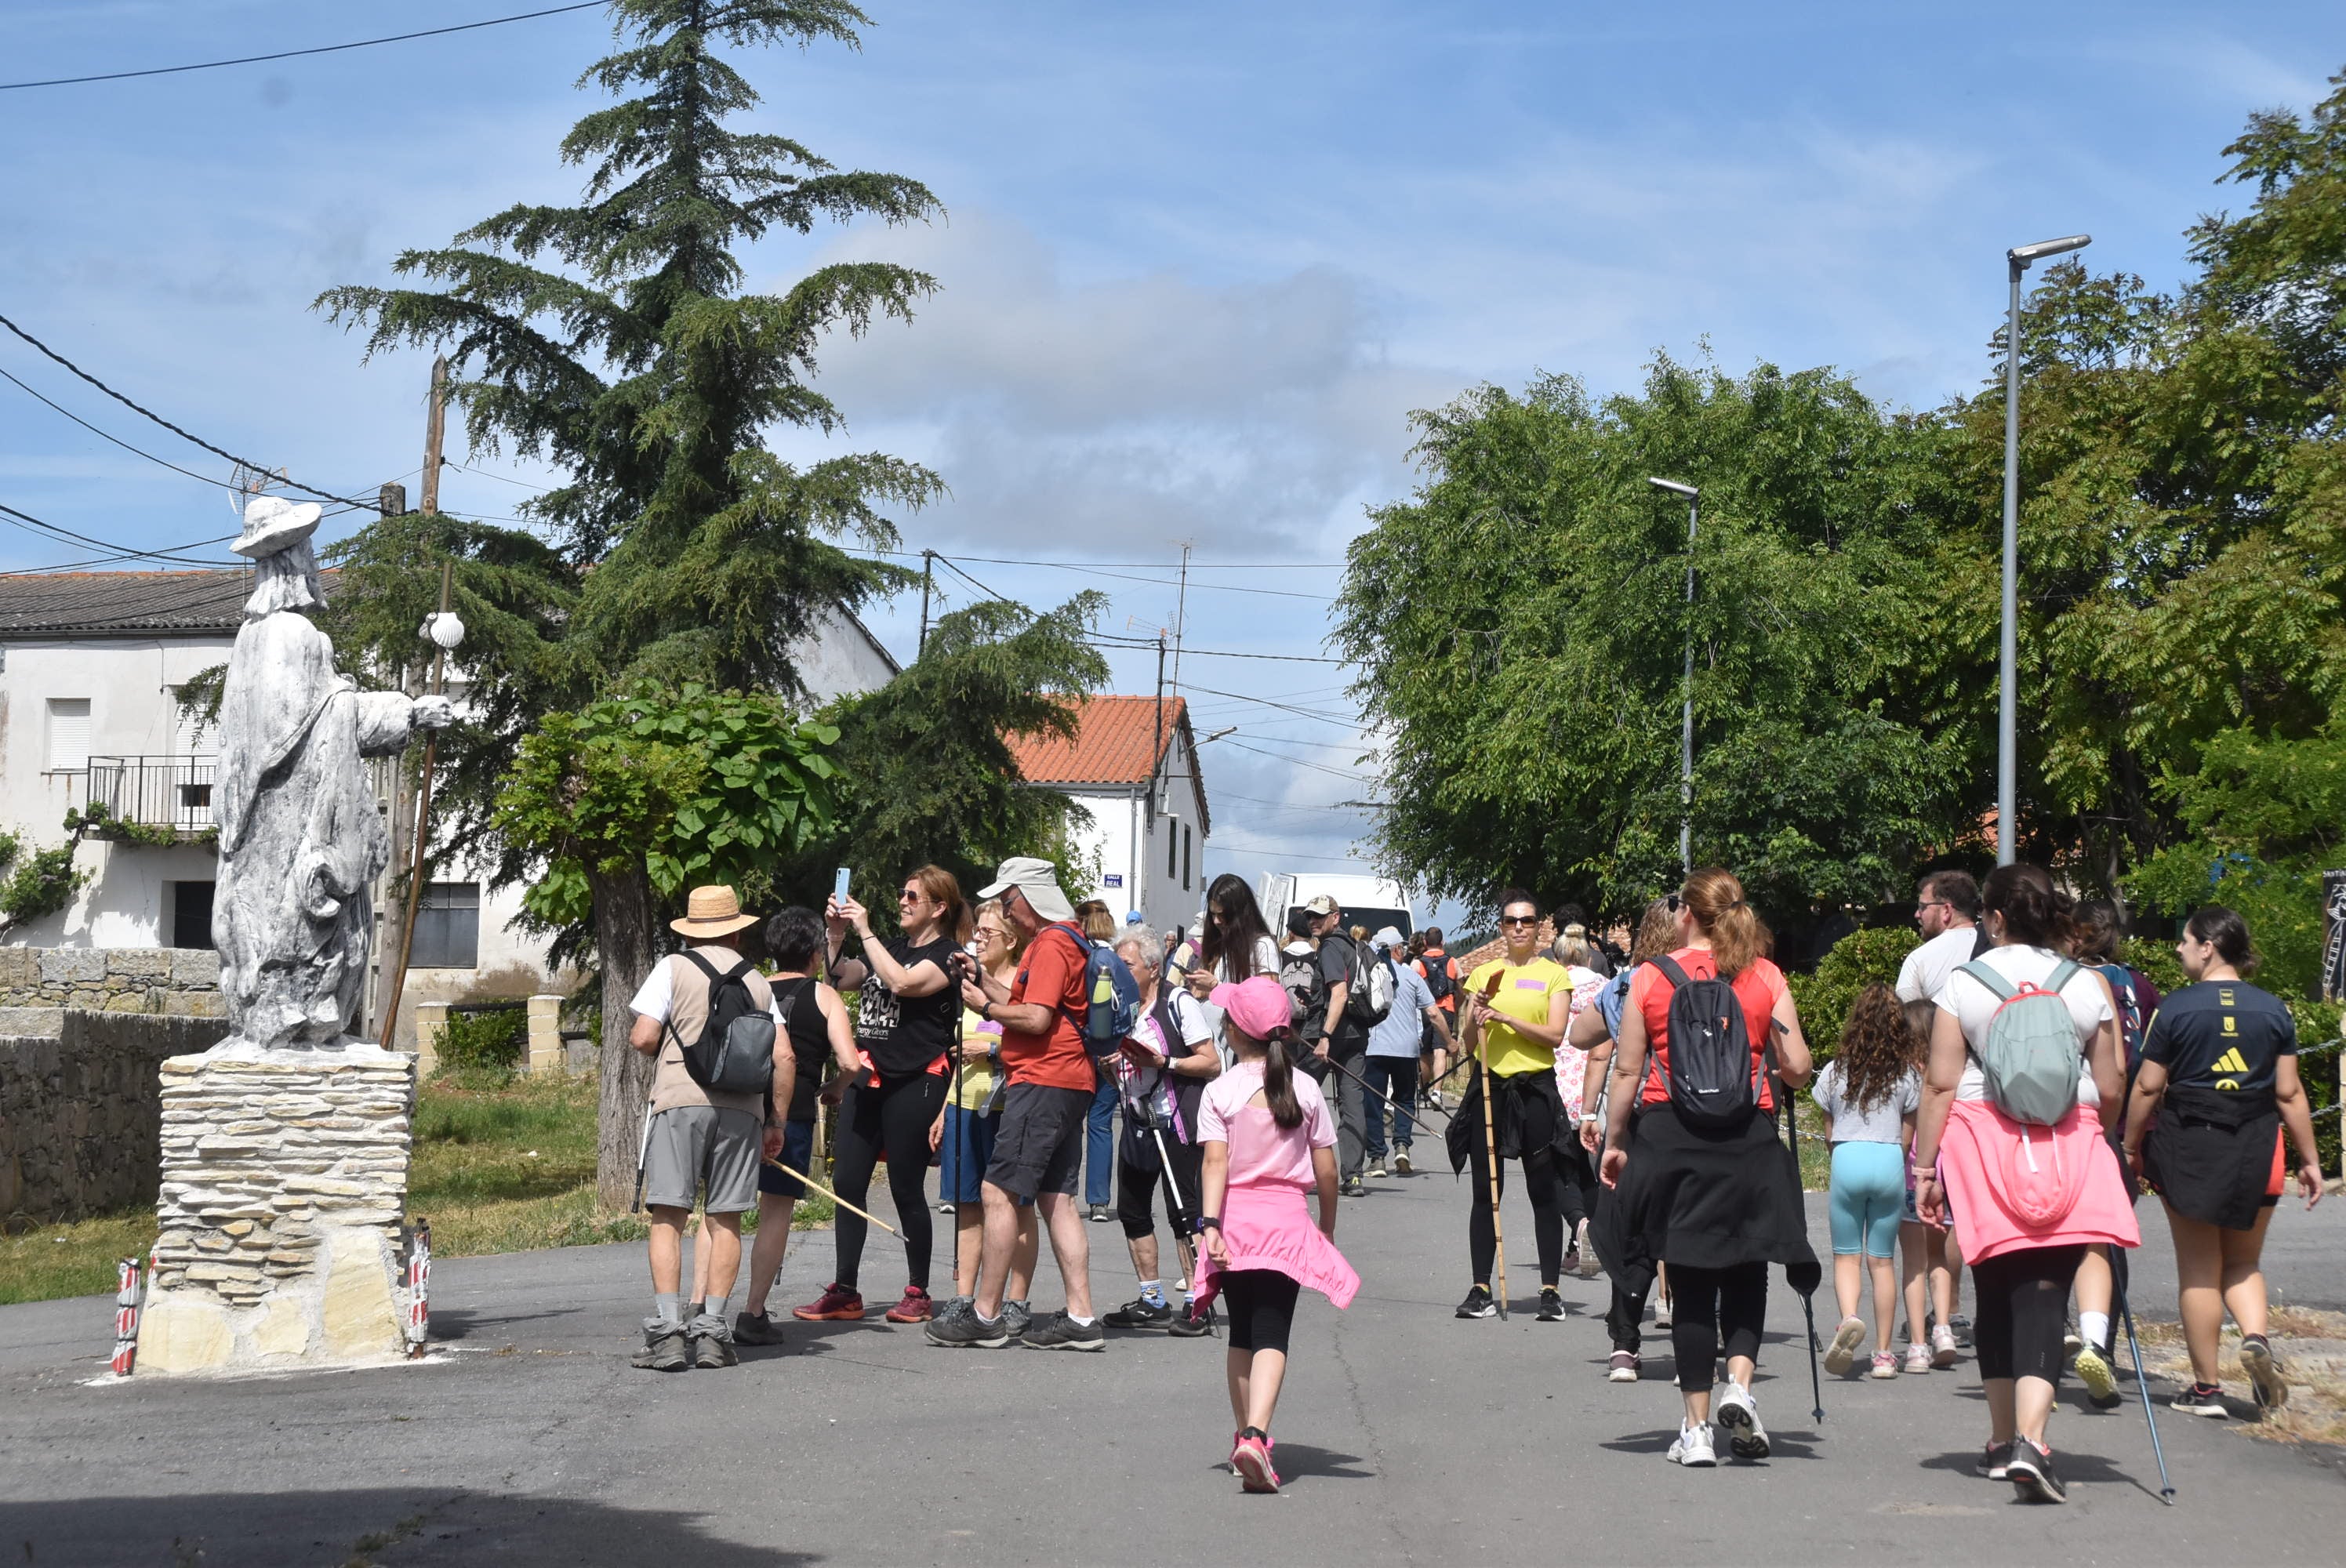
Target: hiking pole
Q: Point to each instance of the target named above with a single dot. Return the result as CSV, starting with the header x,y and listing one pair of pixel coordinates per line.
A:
x,y
1807,1297
1491,1144
2142,1383
818,1186
1415,1116
643,1152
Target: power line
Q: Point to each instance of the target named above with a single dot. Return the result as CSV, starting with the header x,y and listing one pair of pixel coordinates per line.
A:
x,y
1105,640
1146,565
1298,762
166,424
292,54
1283,707
31,524
117,441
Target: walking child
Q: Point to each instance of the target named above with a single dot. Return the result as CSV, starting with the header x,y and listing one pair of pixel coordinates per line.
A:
x,y
1871,1090
1267,1139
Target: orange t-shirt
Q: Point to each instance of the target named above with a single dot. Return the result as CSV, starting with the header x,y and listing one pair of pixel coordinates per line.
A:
x,y
1052,976
1757,988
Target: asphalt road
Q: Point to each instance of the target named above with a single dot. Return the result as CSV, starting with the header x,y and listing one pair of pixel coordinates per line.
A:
x,y
1405,1436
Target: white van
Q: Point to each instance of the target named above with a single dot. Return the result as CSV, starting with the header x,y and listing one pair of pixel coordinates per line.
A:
x,y
1374,902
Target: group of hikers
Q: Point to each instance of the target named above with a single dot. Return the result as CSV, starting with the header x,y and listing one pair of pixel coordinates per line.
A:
x,y
1998,1107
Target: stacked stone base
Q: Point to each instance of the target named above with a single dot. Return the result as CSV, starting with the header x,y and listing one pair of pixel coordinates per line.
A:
x,y
284,1186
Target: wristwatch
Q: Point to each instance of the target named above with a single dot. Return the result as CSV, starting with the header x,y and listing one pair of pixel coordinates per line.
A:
x,y
1208,1222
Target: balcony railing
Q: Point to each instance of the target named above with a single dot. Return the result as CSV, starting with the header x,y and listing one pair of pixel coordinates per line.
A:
x,y
173,793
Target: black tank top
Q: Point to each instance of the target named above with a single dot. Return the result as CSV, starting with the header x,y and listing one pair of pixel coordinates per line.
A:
x,y
809,1034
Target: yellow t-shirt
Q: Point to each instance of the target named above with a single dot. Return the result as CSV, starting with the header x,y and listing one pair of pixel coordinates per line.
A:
x,y
975,1086
1523,993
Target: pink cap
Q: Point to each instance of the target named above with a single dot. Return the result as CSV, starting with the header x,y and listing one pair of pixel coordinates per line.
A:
x,y
1256,1006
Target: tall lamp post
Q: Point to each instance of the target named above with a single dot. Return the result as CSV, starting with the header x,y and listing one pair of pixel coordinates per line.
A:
x,y
2016,259
1686,731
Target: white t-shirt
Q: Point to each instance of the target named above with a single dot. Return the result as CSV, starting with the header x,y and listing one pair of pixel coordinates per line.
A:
x,y
1974,1004
672,1086
1266,962
659,994
1924,973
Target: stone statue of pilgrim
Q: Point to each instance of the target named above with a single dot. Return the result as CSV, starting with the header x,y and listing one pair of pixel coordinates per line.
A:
x,y
301,842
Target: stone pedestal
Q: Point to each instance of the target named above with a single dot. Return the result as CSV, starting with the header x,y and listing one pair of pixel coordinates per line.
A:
x,y
284,1185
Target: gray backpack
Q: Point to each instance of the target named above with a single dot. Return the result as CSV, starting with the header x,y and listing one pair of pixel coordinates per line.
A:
x,y
2030,1055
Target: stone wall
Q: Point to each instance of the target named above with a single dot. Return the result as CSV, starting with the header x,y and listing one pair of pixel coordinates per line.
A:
x,y
37,983
81,1111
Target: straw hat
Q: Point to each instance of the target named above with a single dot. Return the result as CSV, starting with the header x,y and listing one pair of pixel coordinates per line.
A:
x,y
272,523
712,911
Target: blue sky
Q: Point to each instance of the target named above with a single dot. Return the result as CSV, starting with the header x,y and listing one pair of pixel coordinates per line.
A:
x,y
1199,261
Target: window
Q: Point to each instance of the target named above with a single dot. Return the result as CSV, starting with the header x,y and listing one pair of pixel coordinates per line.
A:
x,y
447,927
1172,846
191,915
68,735
1185,858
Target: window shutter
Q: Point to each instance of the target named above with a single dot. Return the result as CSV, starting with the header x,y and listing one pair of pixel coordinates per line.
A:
x,y
68,734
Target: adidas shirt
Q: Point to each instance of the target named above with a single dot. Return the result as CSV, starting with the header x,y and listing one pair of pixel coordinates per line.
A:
x,y
2224,1036
1974,1004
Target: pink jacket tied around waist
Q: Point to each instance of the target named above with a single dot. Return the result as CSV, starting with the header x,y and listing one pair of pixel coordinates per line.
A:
x,y
2015,1186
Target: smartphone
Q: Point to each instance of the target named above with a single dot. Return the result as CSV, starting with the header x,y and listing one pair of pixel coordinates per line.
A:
x,y
838,886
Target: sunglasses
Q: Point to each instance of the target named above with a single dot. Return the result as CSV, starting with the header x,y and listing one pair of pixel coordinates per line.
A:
x,y
1519,920
910,895
1674,904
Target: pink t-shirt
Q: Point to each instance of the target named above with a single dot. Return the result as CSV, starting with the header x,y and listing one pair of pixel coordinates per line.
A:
x,y
1263,1153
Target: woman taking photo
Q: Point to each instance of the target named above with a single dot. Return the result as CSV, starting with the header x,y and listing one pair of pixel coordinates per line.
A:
x,y
1517,1006
1234,945
963,1132
1712,1193
2028,1199
906,1017
2217,1084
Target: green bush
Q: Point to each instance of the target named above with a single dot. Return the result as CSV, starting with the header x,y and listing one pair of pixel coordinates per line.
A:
x,y
490,1042
1856,961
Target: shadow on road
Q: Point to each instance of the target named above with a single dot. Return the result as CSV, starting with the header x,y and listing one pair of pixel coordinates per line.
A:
x,y
387,1527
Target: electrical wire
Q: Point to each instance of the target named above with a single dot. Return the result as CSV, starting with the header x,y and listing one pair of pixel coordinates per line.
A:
x,y
31,524
1296,761
1107,640
117,441
1283,707
294,54
166,424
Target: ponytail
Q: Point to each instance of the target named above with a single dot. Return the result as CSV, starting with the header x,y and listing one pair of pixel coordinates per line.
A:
x,y
1736,936
1279,1079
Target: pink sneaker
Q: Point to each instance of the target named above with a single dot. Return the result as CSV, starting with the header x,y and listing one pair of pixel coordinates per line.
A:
x,y
836,1304
1885,1365
1251,1460
1918,1358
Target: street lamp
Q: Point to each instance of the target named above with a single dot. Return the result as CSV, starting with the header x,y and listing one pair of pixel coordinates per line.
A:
x,y
2016,259
1686,734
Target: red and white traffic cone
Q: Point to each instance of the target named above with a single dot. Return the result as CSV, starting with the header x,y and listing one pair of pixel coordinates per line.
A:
x,y
129,1301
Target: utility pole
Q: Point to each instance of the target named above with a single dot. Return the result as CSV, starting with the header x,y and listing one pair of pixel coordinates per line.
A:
x,y
435,426
928,576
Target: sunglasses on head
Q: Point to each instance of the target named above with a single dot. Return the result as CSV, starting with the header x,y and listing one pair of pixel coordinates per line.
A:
x,y
1674,904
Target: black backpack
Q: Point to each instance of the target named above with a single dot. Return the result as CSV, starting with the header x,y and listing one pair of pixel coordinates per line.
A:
x,y
1438,983
735,1052
1714,1080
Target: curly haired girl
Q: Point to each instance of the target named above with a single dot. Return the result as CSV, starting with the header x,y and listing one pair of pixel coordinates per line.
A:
x,y
1870,1091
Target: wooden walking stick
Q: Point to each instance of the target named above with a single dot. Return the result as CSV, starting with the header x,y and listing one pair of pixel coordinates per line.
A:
x,y
818,1186
1490,1145
390,998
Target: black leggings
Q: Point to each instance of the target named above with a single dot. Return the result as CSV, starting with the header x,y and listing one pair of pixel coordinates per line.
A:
x,y
1578,1185
2022,1311
1544,1182
1712,1305
1262,1307
895,1116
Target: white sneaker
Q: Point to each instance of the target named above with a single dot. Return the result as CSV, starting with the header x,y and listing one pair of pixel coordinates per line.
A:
x,y
1745,1437
1693,1448
1590,1266
1842,1352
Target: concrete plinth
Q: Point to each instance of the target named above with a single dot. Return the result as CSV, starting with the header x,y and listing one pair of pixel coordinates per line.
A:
x,y
284,1183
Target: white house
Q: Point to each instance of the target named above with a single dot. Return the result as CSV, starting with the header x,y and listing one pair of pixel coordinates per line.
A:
x,y
89,664
1133,764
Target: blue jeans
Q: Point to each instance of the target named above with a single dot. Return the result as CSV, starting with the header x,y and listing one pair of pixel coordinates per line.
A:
x,y
1099,1145
1395,1076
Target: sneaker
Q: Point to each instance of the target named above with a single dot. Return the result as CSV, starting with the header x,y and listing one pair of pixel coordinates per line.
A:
x,y
1572,1256
1961,1328
756,1329
1622,1368
1745,1437
1693,1448
1401,1161
2101,1382
1551,1307
2072,1341
1355,1187
2201,1400
664,1348
2266,1379
714,1349
1994,1460
1478,1304
1943,1346
1589,1265
1016,1317
1843,1348
1376,1168
1919,1359
836,1304
1251,1460
915,1307
958,1331
944,1208
1140,1312
1192,1324
2030,1471
1099,1214
1885,1365
955,1307
1061,1332
1662,1313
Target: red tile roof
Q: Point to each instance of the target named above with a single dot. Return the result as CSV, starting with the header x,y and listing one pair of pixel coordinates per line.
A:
x,y
1112,744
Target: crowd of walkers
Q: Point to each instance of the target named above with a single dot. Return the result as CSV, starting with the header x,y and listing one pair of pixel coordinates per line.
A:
x,y
1998,1108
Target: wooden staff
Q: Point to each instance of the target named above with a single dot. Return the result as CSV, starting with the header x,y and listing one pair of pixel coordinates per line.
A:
x,y
1491,1141
423,808
834,1198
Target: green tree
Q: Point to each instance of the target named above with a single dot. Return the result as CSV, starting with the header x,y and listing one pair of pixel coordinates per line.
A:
x,y
631,800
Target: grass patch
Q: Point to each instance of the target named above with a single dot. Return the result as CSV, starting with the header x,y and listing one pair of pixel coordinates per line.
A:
x,y
2311,1345
500,1165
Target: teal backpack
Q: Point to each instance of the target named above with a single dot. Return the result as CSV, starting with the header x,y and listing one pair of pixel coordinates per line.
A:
x,y
2030,1055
